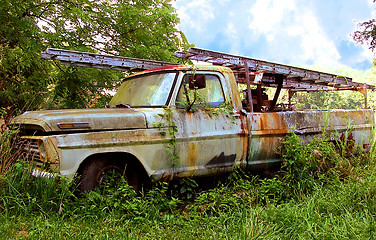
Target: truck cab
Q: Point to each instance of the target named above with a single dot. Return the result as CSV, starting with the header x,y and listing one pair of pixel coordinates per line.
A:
x,y
180,121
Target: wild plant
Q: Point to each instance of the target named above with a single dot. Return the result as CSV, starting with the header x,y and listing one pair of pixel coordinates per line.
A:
x,y
9,152
185,189
24,194
372,144
319,162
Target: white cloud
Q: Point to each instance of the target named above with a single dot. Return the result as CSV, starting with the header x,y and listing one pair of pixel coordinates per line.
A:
x,y
223,2
365,54
197,13
314,43
280,21
370,3
233,35
267,14
291,31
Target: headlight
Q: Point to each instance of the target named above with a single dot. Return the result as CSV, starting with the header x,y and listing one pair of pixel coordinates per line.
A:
x,y
42,150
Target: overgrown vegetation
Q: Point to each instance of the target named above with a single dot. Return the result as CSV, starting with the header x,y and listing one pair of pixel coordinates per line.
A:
x,y
115,27
338,99
321,192
167,121
366,33
318,193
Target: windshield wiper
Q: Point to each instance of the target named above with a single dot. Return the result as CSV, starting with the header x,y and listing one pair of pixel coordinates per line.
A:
x,y
123,105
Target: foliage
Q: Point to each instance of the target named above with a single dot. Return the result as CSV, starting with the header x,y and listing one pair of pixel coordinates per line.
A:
x,y
9,153
167,120
184,189
320,162
338,99
329,100
193,100
144,29
366,33
117,27
318,193
21,193
94,82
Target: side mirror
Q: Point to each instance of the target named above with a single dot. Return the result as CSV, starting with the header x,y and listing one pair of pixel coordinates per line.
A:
x,y
197,81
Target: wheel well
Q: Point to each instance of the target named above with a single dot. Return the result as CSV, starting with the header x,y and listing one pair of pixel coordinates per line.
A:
x,y
123,159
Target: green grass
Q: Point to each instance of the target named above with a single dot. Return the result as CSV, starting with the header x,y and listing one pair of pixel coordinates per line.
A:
x,y
318,194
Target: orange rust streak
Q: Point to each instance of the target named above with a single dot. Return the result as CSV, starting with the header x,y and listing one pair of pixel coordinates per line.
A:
x,y
270,132
192,154
272,121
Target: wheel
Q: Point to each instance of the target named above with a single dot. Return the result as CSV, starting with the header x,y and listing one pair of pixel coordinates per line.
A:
x,y
102,171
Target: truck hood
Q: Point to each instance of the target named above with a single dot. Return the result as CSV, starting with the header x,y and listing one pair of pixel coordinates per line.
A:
x,y
82,119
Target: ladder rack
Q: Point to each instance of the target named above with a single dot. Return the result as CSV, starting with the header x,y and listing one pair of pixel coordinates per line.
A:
x,y
86,59
294,78
247,70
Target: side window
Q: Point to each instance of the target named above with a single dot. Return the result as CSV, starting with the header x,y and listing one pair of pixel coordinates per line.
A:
x,y
200,91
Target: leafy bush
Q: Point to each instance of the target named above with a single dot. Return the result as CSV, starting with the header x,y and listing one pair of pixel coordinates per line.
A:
x,y
9,153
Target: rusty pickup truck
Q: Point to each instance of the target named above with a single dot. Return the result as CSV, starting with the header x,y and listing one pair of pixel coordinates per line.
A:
x,y
177,121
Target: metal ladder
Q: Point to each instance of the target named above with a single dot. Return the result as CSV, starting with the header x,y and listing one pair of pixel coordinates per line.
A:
x,y
247,70
94,60
276,75
295,78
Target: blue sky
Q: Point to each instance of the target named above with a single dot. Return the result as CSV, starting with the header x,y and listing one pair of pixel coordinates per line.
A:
x,y
296,32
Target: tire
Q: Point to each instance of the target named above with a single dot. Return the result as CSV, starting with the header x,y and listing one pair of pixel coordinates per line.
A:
x,y
97,170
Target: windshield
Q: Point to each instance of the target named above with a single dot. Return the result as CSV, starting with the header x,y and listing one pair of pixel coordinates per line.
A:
x,y
149,90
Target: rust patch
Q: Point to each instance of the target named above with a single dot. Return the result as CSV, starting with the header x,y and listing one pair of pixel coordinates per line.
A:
x,y
192,154
165,68
272,121
348,143
244,131
266,131
221,160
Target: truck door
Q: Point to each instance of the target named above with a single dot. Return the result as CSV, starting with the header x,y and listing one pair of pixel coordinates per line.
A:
x,y
267,131
209,134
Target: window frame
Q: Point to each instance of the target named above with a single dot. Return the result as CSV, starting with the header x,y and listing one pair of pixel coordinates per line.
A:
x,y
215,74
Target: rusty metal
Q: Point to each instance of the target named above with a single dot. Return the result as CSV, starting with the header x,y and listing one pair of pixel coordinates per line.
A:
x,y
90,119
171,142
259,101
290,95
365,96
248,82
40,152
295,75
267,130
144,134
86,59
279,81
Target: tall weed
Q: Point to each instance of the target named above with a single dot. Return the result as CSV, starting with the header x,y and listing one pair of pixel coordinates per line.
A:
x,y
21,193
9,152
122,202
343,211
318,193
308,165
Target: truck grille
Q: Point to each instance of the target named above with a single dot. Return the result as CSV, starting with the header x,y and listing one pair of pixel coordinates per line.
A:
x,y
30,151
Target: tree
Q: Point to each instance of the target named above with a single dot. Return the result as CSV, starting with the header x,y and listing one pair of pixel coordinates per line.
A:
x,y
137,28
366,33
